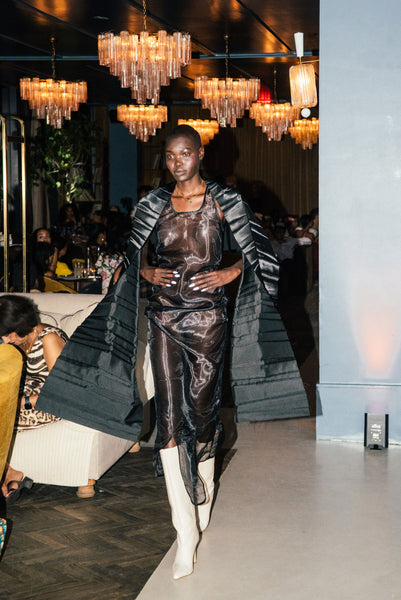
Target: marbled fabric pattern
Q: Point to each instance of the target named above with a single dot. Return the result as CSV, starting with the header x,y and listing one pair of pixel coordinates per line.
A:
x,y
187,340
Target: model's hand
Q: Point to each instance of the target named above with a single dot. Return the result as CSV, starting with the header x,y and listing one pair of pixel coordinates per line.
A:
x,y
214,279
158,276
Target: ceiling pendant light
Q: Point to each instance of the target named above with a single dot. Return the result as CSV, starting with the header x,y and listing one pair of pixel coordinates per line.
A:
x,y
51,99
302,78
226,98
145,62
305,132
141,120
207,129
273,117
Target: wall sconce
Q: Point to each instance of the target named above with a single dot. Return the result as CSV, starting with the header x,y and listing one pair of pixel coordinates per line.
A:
x,y
302,78
376,431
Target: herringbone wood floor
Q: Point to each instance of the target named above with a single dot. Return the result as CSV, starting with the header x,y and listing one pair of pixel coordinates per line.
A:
x,y
62,547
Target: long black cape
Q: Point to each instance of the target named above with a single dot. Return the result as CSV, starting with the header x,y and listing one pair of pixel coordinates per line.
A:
x,y
93,381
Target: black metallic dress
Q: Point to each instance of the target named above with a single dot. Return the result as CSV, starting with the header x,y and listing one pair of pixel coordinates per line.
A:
x,y
187,335
94,379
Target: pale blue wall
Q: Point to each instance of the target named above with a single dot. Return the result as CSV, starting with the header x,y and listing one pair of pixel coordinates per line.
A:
x,y
360,216
123,164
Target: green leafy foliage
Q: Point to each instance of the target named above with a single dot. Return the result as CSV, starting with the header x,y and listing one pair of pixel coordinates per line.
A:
x,y
61,158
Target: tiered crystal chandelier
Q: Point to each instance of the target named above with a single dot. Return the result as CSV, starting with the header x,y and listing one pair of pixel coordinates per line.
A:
x,y
141,120
145,62
305,132
226,98
51,99
207,129
273,117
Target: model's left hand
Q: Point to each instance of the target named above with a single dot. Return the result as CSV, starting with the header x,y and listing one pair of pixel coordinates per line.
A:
x,y
214,279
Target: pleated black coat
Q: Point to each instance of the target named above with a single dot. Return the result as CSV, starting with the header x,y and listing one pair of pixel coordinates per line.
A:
x,y
93,382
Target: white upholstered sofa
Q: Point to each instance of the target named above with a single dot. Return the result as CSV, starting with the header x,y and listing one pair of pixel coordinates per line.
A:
x,y
65,453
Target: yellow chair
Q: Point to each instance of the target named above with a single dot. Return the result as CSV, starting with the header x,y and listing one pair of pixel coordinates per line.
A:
x,y
52,285
10,376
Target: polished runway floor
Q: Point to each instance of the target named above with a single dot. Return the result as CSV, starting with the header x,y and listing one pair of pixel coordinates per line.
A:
x,y
297,519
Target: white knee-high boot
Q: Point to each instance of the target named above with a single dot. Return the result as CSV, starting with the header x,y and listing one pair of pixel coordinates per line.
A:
x,y
182,513
206,472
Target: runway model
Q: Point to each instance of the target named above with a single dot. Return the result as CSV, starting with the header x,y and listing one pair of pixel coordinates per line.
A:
x,y
184,224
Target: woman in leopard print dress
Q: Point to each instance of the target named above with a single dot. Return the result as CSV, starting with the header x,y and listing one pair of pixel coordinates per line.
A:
x,y
41,345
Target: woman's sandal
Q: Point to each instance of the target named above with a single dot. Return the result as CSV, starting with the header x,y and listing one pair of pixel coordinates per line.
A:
x,y
15,492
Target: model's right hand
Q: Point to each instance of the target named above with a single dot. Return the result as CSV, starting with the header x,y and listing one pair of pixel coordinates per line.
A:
x,y
158,276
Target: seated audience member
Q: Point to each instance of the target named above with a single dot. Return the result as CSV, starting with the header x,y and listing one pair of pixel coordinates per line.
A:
x,y
69,224
64,264
292,264
267,224
42,344
96,226
283,244
110,257
127,203
39,266
308,230
292,222
314,218
43,235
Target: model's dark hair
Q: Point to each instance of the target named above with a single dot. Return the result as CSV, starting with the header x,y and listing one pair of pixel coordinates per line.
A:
x,y
17,314
187,131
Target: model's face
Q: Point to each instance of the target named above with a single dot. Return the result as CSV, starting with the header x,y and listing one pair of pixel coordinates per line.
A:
x,y
183,158
43,236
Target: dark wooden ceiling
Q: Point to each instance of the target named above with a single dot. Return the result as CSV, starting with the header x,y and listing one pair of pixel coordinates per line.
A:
x,y
261,31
